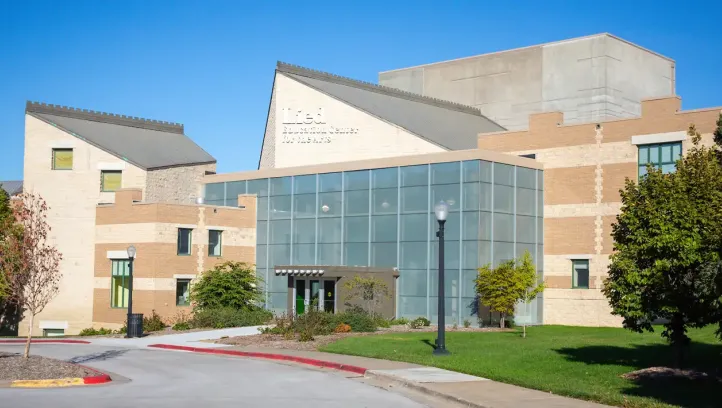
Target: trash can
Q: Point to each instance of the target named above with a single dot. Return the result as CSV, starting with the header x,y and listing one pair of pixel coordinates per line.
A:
x,y
135,325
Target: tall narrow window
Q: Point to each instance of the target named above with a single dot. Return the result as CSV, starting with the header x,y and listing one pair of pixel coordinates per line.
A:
x,y
214,242
120,281
111,180
62,159
662,156
182,292
580,273
184,241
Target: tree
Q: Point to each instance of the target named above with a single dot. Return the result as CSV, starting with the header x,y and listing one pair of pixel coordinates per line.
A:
x,y
30,262
513,281
668,241
230,284
7,223
370,290
718,131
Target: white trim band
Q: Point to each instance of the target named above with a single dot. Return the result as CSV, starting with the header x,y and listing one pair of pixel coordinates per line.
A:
x,y
187,226
578,256
219,228
660,138
184,276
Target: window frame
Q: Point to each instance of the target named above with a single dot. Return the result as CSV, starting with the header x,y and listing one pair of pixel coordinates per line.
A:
x,y
220,243
102,179
177,296
575,279
124,281
53,332
659,163
62,149
190,242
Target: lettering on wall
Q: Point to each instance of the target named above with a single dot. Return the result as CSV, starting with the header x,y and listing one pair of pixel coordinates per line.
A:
x,y
309,126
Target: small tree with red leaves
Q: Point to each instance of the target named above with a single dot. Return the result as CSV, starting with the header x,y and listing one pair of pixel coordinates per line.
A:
x,y
31,264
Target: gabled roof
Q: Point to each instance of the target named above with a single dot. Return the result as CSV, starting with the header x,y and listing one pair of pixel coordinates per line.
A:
x,y
13,187
447,124
148,144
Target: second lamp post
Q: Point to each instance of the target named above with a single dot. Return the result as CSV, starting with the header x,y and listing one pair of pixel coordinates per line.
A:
x,y
441,210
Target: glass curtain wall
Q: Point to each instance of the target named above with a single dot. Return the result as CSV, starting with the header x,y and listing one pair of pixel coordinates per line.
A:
x,y
385,218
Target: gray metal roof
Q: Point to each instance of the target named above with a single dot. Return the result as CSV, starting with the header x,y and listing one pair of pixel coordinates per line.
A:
x,y
148,144
447,124
13,187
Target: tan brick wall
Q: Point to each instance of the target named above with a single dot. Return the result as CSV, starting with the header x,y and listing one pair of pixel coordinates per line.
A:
x,y
569,185
585,166
569,235
144,301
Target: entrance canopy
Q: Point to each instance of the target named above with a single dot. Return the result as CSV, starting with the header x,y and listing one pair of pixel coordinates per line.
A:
x,y
299,272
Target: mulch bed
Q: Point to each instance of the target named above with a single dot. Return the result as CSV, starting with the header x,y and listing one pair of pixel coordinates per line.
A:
x,y
15,367
666,373
280,342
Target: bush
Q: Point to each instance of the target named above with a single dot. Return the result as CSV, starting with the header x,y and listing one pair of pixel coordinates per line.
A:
x,y
401,321
219,318
181,326
424,321
359,322
228,285
382,321
96,332
419,322
153,322
467,323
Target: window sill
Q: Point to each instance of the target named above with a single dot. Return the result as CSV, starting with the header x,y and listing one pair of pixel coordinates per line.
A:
x,y
215,256
579,287
184,254
61,169
119,307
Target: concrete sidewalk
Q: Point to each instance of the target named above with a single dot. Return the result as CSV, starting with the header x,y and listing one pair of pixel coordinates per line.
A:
x,y
462,388
193,339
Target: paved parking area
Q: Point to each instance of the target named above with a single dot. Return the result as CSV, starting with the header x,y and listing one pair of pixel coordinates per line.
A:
x,y
180,380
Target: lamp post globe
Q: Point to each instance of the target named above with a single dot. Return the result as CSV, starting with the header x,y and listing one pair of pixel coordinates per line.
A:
x,y
441,210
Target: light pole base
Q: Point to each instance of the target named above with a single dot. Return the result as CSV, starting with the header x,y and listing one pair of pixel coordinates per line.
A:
x,y
441,352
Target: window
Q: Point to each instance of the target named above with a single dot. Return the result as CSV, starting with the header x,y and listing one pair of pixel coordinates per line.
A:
x,y
110,180
214,242
184,241
580,273
53,332
662,156
120,280
182,292
62,159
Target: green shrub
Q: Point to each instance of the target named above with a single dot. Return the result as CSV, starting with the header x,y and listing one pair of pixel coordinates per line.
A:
x,y
95,332
467,323
220,318
181,326
424,321
359,322
382,321
401,321
231,285
153,322
419,322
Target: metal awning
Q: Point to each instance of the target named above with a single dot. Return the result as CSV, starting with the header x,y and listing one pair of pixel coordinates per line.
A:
x,y
299,272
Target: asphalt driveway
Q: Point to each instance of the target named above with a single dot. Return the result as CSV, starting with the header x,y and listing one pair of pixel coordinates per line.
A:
x,y
180,380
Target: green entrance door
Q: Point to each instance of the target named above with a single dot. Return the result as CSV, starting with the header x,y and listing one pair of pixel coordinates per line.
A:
x,y
300,296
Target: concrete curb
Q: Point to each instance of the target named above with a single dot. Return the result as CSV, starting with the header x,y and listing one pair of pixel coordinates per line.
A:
x,y
421,388
268,356
98,378
59,341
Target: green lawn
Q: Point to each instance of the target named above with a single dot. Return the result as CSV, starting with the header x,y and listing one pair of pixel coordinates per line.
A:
x,y
579,362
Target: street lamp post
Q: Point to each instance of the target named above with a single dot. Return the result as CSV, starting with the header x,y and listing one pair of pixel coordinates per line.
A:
x,y
131,256
441,210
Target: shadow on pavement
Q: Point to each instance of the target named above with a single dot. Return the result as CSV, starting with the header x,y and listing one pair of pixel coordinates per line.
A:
x,y
680,391
106,355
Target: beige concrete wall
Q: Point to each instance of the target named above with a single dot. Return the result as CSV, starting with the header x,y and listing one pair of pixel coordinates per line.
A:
x,y
176,184
72,196
585,166
268,150
369,137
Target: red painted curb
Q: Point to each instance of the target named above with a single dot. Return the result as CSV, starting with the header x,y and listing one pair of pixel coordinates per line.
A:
x,y
44,341
99,378
269,356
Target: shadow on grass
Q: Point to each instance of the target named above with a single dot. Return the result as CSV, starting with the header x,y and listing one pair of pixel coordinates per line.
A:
x,y
429,343
681,391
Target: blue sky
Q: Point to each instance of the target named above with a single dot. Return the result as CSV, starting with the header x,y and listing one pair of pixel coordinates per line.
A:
x,y
209,64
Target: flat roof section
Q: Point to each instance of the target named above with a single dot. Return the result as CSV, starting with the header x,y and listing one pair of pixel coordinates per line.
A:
x,y
442,157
